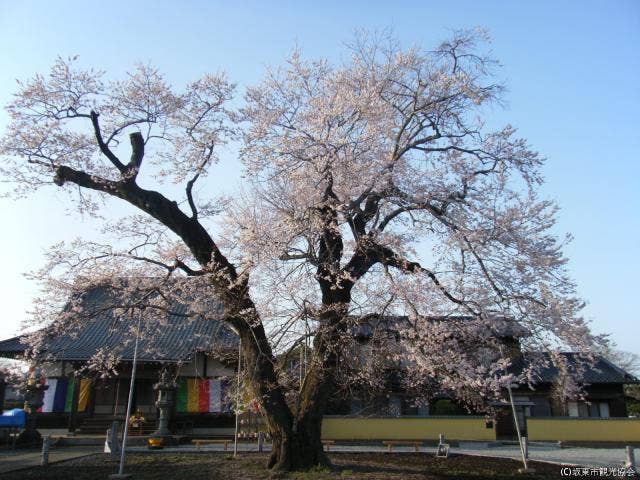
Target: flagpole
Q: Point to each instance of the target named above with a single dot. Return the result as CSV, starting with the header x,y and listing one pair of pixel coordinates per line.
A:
x,y
515,419
235,443
130,400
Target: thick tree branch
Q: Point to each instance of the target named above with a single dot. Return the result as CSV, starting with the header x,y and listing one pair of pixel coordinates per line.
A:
x,y
363,216
137,154
189,190
369,253
64,174
390,258
104,148
159,207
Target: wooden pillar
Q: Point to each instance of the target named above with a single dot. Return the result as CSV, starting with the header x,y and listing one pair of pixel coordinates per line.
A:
x,y
3,389
73,415
91,404
116,391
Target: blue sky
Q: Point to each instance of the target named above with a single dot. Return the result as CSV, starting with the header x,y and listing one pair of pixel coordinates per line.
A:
x,y
572,71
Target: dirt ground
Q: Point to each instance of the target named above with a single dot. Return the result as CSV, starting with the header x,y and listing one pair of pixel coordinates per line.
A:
x,y
360,466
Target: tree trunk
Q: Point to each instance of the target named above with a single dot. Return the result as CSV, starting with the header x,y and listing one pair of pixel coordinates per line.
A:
x,y
298,446
301,448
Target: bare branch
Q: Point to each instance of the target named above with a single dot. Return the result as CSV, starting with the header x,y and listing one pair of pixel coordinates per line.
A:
x,y
104,148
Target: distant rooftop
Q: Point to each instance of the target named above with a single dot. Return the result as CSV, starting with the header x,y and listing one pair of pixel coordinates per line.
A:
x,y
176,338
364,326
600,370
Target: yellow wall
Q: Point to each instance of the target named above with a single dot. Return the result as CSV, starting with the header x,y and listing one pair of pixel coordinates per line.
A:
x,y
584,429
406,428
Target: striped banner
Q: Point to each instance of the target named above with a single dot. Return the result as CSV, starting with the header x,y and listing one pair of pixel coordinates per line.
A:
x,y
83,395
49,395
192,395
60,397
181,395
68,399
203,395
226,398
215,396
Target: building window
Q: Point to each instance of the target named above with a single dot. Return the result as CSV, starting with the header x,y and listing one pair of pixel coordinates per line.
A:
x,y
586,410
445,406
356,406
395,405
415,409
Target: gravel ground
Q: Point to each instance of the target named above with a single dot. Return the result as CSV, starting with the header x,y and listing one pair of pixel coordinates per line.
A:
x,y
547,452
250,466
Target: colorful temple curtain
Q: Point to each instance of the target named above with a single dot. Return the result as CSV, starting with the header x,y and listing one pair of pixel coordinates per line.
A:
x,y
200,395
59,396
194,395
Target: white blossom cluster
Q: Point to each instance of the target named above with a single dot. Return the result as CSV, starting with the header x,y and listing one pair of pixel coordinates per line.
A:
x,y
372,187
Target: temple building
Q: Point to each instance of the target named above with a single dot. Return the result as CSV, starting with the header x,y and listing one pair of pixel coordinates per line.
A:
x,y
602,382
201,356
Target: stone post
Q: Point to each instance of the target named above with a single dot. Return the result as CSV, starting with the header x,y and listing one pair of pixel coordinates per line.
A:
x,y
166,388
112,443
631,460
46,445
260,442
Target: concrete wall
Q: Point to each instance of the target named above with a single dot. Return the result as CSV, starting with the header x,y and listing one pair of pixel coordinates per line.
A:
x,y
584,429
216,369
406,428
52,369
202,366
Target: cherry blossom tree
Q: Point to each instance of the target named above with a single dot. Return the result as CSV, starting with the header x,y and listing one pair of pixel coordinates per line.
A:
x,y
372,186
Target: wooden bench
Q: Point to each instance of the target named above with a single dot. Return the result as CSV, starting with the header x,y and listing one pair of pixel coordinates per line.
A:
x,y
327,444
209,441
392,443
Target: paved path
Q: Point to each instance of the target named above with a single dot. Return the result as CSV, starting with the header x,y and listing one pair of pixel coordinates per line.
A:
x,y
18,459
591,457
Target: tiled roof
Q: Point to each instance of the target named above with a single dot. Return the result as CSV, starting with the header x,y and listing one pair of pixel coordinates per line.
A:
x,y
173,337
176,338
12,347
364,326
598,370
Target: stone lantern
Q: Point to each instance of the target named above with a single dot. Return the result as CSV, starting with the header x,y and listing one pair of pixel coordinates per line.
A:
x,y
166,388
33,400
